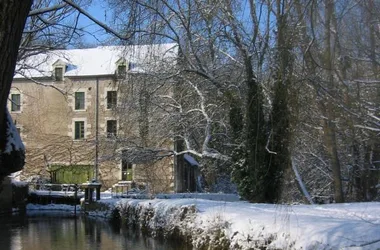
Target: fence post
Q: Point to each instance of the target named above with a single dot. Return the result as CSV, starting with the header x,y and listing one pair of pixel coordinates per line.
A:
x,y
75,198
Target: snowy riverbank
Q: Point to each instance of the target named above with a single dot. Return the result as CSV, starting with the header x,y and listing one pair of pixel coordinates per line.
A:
x,y
333,226
244,225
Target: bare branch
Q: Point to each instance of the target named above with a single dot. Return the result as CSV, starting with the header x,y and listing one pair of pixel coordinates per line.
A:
x,y
105,27
47,9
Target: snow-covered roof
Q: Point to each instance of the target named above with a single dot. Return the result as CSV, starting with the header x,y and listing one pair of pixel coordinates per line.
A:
x,y
97,61
189,159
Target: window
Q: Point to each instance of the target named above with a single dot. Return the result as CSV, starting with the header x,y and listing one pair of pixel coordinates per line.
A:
x,y
126,171
111,99
58,74
15,102
121,71
79,130
111,128
79,100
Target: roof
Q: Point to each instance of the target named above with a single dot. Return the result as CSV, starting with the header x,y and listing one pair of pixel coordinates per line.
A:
x,y
96,61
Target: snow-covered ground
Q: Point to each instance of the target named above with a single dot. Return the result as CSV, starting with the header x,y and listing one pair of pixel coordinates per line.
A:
x,y
332,226
204,196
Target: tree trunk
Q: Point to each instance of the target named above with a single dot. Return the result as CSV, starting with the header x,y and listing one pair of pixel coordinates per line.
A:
x,y
373,155
13,16
328,111
280,174
257,187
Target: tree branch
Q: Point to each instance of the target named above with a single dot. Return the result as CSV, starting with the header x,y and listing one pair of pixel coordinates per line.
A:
x,y
104,26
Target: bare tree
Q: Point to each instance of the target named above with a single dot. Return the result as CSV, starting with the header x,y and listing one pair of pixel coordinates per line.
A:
x,y
223,49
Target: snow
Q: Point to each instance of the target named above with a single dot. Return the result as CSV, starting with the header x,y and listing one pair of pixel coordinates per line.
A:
x,y
15,177
332,226
94,61
17,183
190,160
14,142
205,196
56,193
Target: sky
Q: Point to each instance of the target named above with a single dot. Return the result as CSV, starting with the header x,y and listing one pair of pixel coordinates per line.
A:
x,y
95,35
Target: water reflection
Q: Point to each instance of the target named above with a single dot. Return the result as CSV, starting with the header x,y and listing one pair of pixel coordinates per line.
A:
x,y
62,233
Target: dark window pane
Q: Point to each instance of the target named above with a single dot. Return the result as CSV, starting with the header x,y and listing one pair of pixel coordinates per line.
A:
x,y
15,102
79,100
111,128
126,171
79,130
58,74
111,99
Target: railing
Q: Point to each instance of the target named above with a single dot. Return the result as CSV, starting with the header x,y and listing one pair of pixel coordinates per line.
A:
x,y
56,190
64,193
129,189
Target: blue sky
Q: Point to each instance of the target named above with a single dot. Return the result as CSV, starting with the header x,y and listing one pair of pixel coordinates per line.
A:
x,y
96,35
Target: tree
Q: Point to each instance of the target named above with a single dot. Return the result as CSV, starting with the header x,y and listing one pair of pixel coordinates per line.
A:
x,y
13,16
291,93
280,124
214,39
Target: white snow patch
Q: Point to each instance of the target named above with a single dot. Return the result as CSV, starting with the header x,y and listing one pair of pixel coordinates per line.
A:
x,y
19,183
56,193
14,142
190,160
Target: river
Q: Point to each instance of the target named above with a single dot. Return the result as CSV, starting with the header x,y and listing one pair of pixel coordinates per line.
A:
x,y
58,232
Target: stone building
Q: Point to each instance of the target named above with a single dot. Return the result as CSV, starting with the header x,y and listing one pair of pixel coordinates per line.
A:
x,y
67,106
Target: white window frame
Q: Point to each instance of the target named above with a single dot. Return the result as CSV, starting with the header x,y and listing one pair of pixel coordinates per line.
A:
x,y
85,101
85,133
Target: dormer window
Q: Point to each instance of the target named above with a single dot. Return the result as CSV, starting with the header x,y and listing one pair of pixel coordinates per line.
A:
x,y
121,71
59,69
58,74
121,68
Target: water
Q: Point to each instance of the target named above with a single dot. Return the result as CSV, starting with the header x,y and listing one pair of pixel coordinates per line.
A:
x,y
67,233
